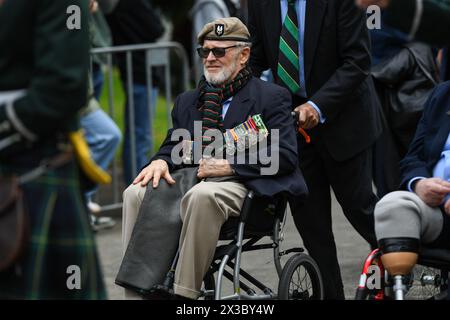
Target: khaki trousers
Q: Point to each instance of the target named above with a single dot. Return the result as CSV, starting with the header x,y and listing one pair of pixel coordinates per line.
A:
x,y
132,200
204,209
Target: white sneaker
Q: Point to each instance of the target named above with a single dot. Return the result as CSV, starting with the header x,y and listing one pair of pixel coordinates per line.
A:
x,y
94,207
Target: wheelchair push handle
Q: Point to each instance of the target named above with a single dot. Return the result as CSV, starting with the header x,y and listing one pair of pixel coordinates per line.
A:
x,y
300,130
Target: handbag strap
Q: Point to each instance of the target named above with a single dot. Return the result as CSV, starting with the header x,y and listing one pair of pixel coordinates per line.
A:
x,y
46,164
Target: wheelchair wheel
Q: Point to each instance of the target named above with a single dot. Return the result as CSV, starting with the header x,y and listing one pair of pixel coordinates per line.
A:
x,y
300,279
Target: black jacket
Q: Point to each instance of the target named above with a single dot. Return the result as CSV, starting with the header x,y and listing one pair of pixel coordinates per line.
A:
x,y
134,22
257,97
404,83
411,75
337,67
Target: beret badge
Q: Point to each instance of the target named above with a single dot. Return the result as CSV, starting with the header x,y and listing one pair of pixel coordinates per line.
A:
x,y
219,29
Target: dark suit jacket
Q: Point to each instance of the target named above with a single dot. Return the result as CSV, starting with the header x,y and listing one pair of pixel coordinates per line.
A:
x,y
257,97
337,65
431,135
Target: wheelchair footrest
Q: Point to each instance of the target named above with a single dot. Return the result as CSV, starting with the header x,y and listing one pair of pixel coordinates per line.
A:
x,y
285,252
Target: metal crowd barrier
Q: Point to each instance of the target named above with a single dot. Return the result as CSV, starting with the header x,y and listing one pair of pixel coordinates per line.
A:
x,y
156,55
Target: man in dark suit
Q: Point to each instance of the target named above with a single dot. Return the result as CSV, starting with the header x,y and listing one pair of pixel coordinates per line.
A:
x,y
421,213
320,51
225,98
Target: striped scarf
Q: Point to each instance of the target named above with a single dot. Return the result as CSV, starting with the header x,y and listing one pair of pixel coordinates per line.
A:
x,y
211,99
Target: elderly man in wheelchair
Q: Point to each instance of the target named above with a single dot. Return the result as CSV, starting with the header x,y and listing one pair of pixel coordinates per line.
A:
x,y
413,226
183,211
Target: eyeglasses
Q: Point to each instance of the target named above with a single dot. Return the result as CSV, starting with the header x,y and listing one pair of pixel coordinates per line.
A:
x,y
217,52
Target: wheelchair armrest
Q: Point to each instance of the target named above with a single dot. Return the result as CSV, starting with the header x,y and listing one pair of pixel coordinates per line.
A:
x,y
246,206
254,206
258,213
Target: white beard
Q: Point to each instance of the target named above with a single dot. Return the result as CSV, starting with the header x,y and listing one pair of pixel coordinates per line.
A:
x,y
221,77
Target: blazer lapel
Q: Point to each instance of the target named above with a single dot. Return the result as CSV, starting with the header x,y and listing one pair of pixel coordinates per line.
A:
x,y
315,11
240,108
441,136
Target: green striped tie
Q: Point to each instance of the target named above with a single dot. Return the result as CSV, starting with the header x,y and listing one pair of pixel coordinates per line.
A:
x,y
288,62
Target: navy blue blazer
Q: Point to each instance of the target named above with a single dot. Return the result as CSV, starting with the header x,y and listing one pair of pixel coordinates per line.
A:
x,y
257,97
431,134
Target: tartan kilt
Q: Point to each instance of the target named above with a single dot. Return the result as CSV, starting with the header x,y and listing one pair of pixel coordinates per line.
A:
x,y
60,236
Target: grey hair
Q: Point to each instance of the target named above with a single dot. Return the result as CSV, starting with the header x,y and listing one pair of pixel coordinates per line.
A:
x,y
243,44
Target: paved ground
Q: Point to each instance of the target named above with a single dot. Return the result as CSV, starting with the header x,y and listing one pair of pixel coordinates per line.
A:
x,y
352,249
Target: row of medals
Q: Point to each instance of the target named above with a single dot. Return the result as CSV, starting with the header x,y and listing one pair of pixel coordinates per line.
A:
x,y
245,135
239,138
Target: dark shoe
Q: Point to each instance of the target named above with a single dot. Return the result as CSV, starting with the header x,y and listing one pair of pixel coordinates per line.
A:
x,y
178,297
159,292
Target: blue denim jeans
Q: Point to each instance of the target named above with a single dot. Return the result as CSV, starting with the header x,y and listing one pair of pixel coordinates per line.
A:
x,y
103,137
142,131
97,80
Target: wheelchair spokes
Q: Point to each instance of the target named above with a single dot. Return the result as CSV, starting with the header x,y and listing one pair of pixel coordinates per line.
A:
x,y
425,283
301,285
300,279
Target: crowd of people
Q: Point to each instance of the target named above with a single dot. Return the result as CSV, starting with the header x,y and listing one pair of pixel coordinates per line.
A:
x,y
373,107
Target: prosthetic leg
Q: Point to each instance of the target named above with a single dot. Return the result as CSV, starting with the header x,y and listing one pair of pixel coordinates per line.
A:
x,y
399,258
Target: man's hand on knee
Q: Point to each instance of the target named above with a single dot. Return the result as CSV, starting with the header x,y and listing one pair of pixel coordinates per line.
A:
x,y
156,170
432,191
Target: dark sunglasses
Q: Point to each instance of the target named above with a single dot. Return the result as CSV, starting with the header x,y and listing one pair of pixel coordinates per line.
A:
x,y
217,52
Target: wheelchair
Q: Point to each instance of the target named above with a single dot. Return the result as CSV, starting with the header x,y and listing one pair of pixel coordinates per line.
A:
x,y
429,280
260,219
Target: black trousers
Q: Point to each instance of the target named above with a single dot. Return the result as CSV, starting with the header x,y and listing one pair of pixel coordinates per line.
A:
x,y
351,181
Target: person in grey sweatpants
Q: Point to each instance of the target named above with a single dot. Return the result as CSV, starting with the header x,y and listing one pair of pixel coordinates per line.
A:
x,y
420,215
